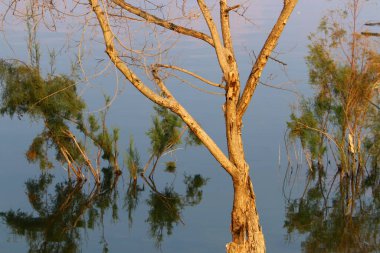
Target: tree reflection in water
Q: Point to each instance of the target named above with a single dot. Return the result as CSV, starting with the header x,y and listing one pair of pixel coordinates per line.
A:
x,y
324,213
63,212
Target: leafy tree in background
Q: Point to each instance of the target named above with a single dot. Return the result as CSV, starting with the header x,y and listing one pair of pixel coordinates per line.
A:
x,y
344,71
341,199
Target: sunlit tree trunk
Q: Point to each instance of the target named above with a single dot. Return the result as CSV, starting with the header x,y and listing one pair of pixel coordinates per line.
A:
x,y
247,235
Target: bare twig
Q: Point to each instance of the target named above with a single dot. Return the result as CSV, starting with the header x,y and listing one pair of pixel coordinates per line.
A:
x,y
190,73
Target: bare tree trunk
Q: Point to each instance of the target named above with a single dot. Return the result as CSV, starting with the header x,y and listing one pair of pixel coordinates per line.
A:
x,y
247,235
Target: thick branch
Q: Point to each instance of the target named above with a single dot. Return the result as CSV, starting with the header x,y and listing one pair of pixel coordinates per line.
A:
x,y
164,23
206,140
219,48
166,102
225,25
191,74
263,57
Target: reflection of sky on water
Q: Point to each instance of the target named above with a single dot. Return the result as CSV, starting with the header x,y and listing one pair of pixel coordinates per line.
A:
x,y
207,225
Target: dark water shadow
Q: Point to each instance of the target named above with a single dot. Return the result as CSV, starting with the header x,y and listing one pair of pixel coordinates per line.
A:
x,y
64,212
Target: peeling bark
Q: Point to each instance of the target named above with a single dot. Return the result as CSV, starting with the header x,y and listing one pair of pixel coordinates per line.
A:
x,y
247,235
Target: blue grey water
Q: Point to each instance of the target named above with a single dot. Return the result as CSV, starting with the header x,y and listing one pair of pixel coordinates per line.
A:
x,y
206,226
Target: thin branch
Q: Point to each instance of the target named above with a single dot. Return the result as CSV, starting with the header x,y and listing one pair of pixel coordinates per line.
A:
x,y
191,74
233,7
373,104
371,34
280,88
372,23
278,61
196,87
158,21
84,155
328,136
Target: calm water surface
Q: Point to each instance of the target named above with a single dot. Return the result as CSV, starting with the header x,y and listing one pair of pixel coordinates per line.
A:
x,y
198,226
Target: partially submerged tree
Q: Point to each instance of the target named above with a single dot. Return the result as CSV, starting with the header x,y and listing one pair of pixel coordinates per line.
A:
x,y
104,139
327,210
118,18
54,100
339,121
344,71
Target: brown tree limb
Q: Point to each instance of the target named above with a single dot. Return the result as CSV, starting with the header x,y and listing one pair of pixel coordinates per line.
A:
x,y
219,48
233,8
225,24
372,23
84,155
77,173
371,34
263,57
157,79
164,23
171,104
184,81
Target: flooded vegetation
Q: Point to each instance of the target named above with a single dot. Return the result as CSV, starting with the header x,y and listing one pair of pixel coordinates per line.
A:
x,y
338,210
63,213
100,187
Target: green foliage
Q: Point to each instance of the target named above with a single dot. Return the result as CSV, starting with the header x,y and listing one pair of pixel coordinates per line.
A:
x,y
194,191
192,139
106,140
344,73
171,167
165,132
93,123
165,212
131,199
372,140
25,91
166,206
38,152
305,126
344,70
61,212
133,160
53,100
